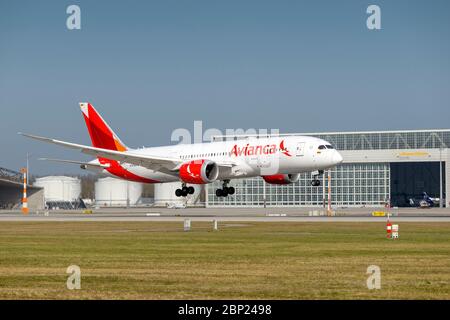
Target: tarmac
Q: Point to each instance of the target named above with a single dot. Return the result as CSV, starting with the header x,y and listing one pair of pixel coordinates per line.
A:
x,y
279,214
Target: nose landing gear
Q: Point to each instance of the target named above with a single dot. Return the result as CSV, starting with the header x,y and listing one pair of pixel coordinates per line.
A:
x,y
316,182
184,191
225,191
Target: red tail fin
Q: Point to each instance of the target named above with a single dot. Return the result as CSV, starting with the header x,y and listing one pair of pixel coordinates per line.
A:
x,y
101,134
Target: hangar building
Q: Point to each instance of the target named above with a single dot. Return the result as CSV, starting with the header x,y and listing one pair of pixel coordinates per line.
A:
x,y
379,167
11,191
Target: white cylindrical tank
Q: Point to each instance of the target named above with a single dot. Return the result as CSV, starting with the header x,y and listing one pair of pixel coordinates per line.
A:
x,y
111,192
165,194
59,188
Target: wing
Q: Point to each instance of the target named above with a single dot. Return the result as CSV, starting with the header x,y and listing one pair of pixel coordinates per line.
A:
x,y
147,161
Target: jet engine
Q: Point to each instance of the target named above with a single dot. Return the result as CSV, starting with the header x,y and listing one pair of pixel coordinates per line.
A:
x,y
282,178
199,171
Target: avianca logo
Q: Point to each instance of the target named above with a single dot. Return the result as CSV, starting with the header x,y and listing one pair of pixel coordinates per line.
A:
x,y
283,149
249,150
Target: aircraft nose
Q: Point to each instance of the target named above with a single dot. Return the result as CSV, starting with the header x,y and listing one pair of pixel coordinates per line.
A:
x,y
337,158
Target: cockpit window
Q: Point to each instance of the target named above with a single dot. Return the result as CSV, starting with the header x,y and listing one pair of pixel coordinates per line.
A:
x,y
321,147
329,146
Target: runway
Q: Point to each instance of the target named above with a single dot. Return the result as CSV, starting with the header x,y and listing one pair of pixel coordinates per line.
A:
x,y
232,214
221,218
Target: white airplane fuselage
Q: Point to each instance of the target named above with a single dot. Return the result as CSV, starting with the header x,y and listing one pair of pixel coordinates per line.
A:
x,y
252,157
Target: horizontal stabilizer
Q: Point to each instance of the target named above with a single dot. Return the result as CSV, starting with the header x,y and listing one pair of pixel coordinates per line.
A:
x,y
81,163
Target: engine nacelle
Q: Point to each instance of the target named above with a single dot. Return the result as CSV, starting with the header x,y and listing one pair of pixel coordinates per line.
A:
x,y
282,178
199,171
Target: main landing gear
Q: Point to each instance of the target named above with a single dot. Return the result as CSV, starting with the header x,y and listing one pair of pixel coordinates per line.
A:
x,y
225,191
316,182
184,191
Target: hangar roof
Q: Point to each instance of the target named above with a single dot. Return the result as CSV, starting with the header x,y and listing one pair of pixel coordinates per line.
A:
x,y
374,140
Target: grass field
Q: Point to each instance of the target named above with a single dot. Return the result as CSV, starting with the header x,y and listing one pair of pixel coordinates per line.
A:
x,y
157,260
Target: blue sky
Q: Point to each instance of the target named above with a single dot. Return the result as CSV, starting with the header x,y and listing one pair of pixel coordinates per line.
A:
x,y
153,66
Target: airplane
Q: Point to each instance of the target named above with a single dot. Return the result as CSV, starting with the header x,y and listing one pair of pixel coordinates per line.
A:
x,y
426,202
278,159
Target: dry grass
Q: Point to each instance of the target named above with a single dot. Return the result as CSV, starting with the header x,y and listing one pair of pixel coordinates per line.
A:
x,y
157,260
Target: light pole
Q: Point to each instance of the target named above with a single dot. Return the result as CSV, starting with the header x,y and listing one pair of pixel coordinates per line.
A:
x,y
28,166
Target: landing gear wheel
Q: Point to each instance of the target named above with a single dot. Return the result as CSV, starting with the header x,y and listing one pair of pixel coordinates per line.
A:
x,y
178,192
225,191
191,190
315,183
184,192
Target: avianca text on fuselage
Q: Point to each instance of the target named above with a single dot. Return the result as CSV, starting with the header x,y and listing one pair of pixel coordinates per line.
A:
x,y
201,163
250,150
